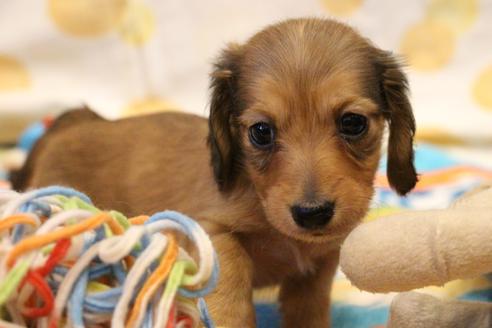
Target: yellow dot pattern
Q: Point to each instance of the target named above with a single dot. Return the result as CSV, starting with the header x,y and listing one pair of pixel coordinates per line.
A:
x,y
482,89
150,104
437,135
86,18
13,75
458,15
430,44
341,7
137,25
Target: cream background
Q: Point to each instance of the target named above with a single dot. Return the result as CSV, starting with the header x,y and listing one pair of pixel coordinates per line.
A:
x,y
125,57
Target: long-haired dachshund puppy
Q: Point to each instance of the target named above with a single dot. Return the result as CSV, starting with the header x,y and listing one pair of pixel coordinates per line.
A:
x,y
279,175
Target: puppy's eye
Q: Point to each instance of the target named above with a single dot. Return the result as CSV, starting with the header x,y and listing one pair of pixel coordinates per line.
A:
x,y
261,135
352,125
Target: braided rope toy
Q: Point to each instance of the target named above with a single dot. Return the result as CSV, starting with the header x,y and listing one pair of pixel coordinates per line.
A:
x,y
63,262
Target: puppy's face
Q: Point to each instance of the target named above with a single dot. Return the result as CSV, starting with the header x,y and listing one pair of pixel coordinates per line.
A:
x,y
299,113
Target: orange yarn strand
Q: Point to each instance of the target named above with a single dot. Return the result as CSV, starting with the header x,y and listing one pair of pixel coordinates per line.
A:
x,y
11,221
155,278
37,241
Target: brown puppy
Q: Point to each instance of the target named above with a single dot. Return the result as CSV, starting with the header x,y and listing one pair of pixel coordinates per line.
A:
x,y
296,123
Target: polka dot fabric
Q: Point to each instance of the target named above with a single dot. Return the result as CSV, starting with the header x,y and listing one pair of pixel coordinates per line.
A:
x,y
129,57
14,75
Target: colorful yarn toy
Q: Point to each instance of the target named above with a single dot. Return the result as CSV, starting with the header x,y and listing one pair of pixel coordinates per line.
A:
x,y
65,263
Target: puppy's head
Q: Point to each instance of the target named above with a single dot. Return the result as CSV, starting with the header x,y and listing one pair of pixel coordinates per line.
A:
x,y
299,112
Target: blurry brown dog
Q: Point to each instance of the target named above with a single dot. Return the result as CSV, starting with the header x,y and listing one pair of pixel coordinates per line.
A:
x,y
294,136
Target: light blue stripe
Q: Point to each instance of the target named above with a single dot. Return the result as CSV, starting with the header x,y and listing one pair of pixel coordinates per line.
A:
x,y
63,191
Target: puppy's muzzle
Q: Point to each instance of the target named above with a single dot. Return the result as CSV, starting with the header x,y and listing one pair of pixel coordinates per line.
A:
x,y
313,217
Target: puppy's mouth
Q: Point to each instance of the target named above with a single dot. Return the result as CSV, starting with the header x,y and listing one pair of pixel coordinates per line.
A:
x,y
326,234
320,237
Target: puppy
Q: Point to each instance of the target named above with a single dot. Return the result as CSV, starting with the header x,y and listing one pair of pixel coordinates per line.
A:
x,y
281,173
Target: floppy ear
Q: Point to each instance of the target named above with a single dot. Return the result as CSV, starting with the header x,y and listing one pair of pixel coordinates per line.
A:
x,y
222,138
398,112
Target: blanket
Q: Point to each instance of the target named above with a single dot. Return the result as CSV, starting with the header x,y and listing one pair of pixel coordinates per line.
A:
x,y
445,174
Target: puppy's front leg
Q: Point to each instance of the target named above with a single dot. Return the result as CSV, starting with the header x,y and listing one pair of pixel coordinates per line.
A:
x,y
231,304
305,299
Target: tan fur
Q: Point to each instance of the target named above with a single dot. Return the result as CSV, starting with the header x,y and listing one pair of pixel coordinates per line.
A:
x,y
300,75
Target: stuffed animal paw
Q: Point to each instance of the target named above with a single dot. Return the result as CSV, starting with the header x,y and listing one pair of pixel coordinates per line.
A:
x,y
416,249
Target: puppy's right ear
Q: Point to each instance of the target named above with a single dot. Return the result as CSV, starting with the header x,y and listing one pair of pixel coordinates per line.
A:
x,y
224,107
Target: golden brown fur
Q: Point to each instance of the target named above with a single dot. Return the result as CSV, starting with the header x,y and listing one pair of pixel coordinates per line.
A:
x,y
299,75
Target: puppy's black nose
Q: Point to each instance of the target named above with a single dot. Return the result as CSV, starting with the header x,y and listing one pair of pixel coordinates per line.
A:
x,y
313,217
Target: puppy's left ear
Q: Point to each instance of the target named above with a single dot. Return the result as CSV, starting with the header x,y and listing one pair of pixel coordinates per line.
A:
x,y
224,107
398,112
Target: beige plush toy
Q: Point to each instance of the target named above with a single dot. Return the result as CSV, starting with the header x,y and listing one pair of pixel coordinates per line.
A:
x,y
422,248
